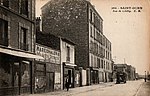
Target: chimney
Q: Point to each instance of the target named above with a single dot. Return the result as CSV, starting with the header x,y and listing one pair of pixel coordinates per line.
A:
x,y
38,24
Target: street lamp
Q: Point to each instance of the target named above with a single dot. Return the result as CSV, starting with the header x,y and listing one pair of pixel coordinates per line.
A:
x,y
145,76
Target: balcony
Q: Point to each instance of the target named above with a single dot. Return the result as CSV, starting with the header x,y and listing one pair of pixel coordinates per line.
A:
x,y
24,46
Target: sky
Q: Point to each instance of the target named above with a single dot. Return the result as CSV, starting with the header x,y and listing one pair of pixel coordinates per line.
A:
x,y
129,32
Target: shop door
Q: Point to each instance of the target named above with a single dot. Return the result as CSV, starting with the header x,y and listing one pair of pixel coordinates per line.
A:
x,y
50,81
69,73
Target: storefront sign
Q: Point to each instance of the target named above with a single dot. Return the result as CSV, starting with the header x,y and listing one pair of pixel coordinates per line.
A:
x,y
49,55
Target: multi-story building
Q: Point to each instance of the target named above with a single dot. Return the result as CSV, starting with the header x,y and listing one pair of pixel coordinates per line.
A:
x,y
78,21
17,37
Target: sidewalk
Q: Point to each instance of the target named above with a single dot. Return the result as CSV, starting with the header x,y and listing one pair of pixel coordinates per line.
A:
x,y
144,89
73,90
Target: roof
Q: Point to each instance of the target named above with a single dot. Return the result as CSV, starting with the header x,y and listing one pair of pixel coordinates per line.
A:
x,y
68,41
48,39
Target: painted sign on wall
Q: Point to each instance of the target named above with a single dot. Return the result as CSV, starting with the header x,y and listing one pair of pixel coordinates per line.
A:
x,y
49,55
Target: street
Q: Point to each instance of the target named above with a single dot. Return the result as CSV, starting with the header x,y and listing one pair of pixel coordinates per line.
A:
x,y
131,88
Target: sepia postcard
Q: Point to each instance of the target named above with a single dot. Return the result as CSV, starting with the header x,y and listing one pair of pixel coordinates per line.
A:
x,y
74,47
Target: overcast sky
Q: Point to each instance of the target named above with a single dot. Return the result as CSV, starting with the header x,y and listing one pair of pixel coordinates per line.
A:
x,y
129,32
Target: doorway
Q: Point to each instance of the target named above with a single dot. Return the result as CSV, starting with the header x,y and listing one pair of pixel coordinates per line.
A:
x,y
50,81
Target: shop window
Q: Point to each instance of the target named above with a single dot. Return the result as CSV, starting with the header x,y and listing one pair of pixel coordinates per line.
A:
x,y
25,74
40,80
5,73
16,74
3,32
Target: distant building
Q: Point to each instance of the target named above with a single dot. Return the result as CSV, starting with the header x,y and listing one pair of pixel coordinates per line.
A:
x,y
131,72
128,69
78,21
17,46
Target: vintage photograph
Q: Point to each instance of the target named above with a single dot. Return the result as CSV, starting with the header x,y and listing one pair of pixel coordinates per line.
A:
x,y
74,47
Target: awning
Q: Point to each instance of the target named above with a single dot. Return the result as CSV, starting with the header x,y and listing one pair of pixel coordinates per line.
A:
x,y
19,53
96,69
70,64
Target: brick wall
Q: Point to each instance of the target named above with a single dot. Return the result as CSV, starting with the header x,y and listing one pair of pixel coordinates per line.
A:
x,y
15,21
69,19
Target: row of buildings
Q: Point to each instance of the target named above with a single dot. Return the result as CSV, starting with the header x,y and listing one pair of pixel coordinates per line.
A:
x,y
37,54
128,69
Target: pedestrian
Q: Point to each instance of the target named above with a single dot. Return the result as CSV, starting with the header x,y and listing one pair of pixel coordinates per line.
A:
x,y
145,79
67,83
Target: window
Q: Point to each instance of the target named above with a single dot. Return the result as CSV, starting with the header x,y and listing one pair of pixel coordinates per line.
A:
x,y
95,61
68,54
92,61
23,39
4,3
95,33
91,15
98,62
24,7
5,72
3,32
102,64
91,30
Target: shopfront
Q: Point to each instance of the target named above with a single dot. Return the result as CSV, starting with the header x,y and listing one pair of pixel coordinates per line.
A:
x,y
15,72
47,70
94,76
69,72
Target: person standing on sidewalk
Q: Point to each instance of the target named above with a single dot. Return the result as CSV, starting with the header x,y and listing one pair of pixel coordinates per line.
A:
x,y
67,83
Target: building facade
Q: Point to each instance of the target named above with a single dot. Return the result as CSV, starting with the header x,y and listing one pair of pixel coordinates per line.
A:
x,y
68,62
47,70
128,69
78,21
66,66
131,72
17,38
